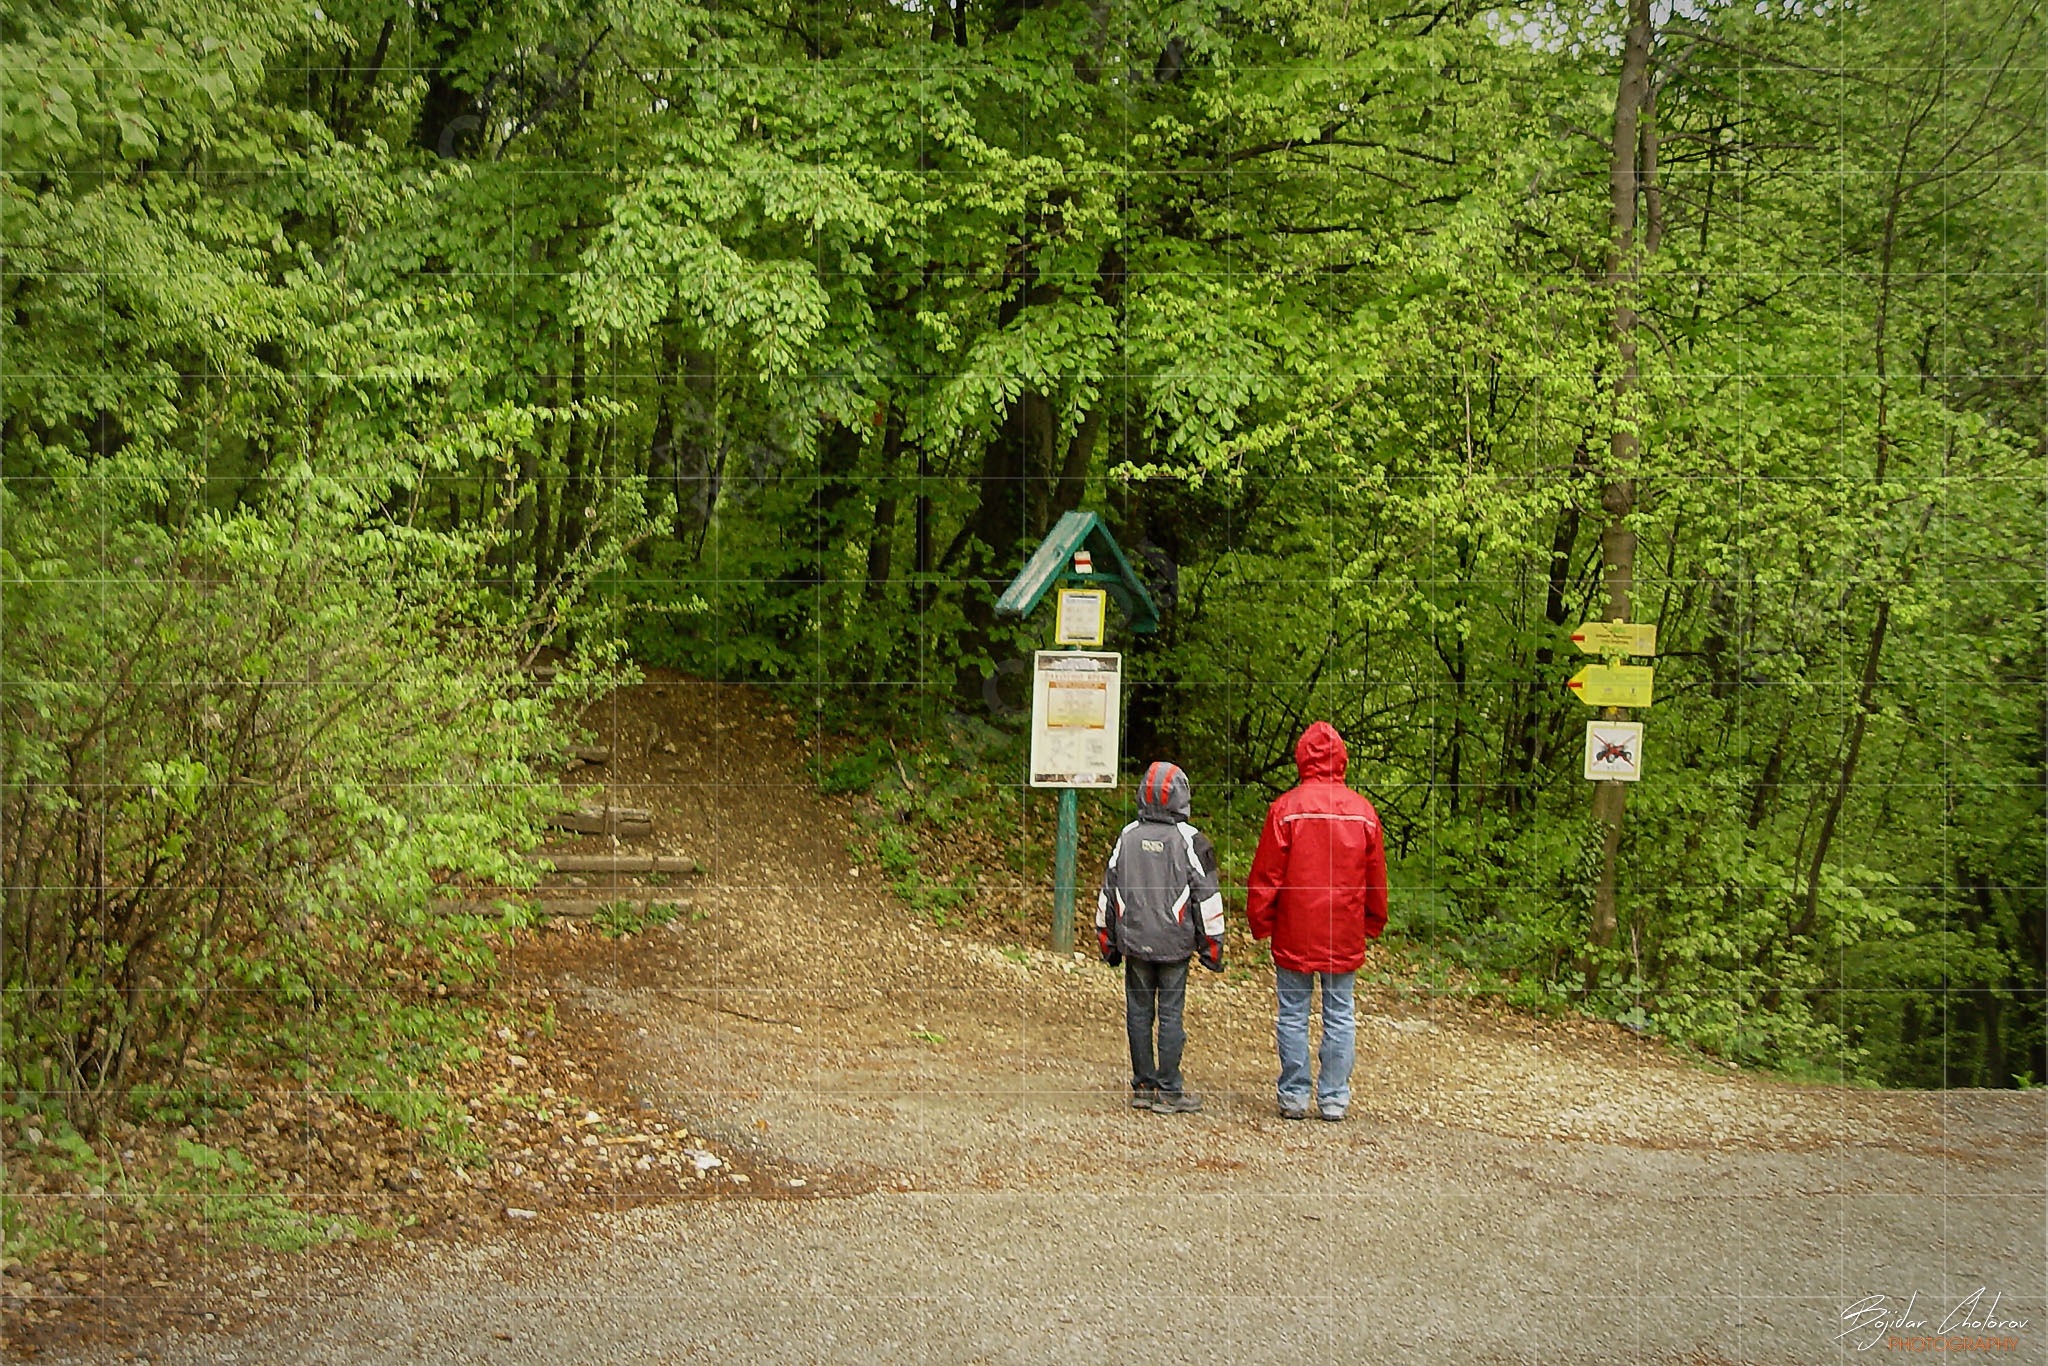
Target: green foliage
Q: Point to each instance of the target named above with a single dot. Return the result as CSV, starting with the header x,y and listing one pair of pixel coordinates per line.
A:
x,y
201,1188
619,919
213,1185
938,900
856,771
828,312
31,1230
260,708
391,1060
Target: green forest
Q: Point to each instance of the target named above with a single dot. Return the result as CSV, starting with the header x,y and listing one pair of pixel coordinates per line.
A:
x,y
357,356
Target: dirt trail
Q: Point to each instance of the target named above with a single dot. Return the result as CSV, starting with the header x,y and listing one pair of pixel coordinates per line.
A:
x,y
942,1118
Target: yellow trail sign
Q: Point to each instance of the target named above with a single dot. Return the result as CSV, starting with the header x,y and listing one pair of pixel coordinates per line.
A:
x,y
1613,685
1615,638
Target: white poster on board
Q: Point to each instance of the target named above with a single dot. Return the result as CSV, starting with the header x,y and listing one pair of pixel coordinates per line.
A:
x,y
1076,705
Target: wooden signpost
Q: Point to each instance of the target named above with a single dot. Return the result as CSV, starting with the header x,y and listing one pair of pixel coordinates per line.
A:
x,y
1076,700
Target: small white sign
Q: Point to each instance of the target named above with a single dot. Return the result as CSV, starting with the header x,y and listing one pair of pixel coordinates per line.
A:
x,y
1079,621
1614,751
1076,707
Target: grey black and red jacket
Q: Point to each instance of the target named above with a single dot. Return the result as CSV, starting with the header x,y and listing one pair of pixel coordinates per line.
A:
x,y
1159,900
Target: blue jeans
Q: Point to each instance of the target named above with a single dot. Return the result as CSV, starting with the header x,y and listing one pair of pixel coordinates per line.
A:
x,y
1340,1032
1155,992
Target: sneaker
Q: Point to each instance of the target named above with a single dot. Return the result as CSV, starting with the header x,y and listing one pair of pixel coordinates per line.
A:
x,y
1332,1114
1293,1111
1176,1103
1142,1097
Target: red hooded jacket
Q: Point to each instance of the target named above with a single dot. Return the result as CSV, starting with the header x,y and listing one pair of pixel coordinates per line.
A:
x,y
1318,885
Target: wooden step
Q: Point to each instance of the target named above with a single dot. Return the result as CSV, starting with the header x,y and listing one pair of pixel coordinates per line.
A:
x,y
577,907
573,755
617,863
627,822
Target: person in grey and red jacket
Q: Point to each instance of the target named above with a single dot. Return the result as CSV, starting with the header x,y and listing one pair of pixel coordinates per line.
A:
x,y
1318,890
1159,904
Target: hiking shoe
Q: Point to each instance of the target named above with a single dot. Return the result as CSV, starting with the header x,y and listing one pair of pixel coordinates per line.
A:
x,y
1176,1103
1333,1114
1142,1097
1294,1112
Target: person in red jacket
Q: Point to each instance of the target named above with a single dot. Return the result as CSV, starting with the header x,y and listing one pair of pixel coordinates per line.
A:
x,y
1318,890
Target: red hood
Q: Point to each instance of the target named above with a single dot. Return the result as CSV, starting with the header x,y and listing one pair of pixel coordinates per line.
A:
x,y
1320,755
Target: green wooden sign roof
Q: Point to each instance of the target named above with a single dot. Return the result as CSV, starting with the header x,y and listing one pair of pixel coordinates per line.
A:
x,y
1053,564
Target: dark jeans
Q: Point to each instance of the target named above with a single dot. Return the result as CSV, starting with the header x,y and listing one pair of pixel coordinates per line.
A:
x,y
1155,991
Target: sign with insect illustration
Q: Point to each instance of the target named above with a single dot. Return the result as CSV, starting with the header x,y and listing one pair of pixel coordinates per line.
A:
x,y
1614,751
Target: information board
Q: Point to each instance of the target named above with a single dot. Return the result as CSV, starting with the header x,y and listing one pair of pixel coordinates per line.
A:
x,y
1076,707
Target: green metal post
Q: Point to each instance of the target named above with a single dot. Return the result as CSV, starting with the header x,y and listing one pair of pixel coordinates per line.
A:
x,y
1067,836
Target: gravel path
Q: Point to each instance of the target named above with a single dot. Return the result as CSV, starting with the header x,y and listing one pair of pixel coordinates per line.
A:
x,y
973,1189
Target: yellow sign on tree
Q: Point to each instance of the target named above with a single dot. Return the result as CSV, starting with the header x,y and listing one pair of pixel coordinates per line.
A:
x,y
1615,638
1082,615
1613,685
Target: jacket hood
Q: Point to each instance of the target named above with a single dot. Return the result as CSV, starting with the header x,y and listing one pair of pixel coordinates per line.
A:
x,y
1164,794
1320,755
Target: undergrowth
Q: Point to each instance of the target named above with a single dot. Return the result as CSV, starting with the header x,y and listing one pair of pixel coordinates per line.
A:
x,y
953,835
624,918
965,846
212,1192
379,1054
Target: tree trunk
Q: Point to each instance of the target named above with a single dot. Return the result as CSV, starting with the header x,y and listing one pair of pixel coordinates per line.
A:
x,y
921,547
1005,508
571,526
1071,484
662,456
525,498
1809,913
1773,774
350,106
818,532
698,478
838,455
883,533
1564,540
539,518
1617,495
1653,192
1038,433
560,523
1867,686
